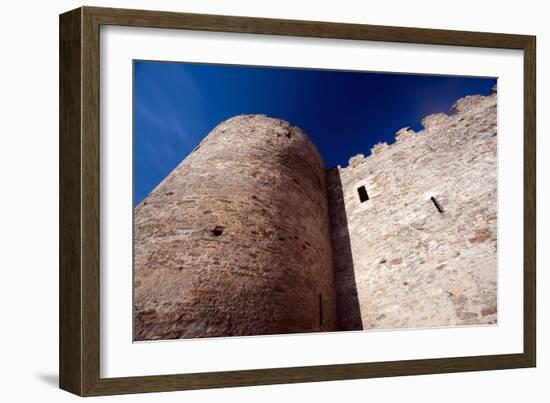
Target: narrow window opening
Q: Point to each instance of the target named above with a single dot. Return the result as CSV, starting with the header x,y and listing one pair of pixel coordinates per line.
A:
x,y
363,195
436,204
218,230
321,319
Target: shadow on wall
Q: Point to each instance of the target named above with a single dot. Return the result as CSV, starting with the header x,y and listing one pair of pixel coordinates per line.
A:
x,y
49,379
349,311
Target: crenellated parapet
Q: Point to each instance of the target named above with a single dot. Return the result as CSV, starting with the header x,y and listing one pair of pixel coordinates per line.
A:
x,y
356,160
379,147
404,134
431,125
434,121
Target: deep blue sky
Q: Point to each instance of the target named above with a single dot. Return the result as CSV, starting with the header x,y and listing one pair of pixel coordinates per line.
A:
x,y
344,113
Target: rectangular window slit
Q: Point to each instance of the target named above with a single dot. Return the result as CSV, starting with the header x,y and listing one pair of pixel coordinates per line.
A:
x,y
436,204
363,195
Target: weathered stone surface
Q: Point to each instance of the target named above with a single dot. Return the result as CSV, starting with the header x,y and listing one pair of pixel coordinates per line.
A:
x,y
434,121
404,134
398,261
356,160
235,241
378,148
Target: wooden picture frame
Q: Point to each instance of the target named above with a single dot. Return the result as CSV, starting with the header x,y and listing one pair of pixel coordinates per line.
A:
x,y
79,349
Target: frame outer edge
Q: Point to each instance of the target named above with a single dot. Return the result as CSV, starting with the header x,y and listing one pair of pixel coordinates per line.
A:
x,y
90,322
80,201
314,29
530,201
70,280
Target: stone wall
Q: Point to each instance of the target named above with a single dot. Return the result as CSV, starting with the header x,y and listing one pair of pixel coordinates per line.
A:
x,y
401,263
235,241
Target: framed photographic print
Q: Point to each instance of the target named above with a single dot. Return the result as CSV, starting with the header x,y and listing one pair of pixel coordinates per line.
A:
x,y
249,201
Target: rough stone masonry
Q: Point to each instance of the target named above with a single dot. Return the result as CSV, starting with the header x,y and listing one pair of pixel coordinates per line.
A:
x,y
251,235
236,240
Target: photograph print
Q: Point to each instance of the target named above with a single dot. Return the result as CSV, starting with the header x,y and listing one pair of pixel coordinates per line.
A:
x,y
273,200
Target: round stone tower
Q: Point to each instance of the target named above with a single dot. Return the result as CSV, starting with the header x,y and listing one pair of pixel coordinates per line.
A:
x,y
236,241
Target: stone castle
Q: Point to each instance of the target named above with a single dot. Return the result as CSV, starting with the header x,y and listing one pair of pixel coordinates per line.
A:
x,y
252,235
